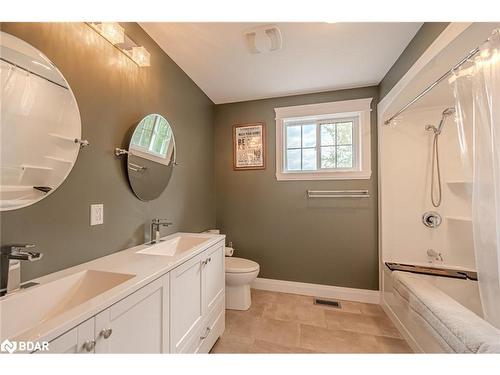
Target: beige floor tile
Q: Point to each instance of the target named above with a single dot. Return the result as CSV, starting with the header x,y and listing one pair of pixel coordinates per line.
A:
x,y
263,296
300,312
232,344
335,341
278,331
392,345
372,309
238,324
290,323
261,346
362,308
379,325
255,311
293,299
347,306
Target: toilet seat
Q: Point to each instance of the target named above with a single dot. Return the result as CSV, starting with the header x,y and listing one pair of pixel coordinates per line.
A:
x,y
240,265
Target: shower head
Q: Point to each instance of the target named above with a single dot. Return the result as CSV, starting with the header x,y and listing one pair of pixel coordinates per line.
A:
x,y
447,112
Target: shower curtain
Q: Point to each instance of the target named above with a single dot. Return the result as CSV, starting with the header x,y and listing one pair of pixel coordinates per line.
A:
x,y
477,99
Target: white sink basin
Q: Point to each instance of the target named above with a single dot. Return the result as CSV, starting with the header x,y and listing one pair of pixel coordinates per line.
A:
x,y
29,308
174,246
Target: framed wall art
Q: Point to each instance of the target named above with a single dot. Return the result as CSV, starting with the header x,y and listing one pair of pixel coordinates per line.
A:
x,y
249,146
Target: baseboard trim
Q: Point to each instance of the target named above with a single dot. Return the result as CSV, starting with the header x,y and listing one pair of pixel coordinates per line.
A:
x,y
318,290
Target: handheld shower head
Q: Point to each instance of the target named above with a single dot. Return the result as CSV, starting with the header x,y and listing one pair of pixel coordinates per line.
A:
x,y
447,112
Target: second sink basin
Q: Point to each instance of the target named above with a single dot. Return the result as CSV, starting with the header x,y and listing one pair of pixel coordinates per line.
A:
x,y
174,246
29,308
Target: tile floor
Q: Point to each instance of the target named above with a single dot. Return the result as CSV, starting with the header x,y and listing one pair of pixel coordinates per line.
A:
x,y
290,323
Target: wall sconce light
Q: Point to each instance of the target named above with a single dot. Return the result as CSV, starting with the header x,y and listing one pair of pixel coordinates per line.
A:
x,y
115,34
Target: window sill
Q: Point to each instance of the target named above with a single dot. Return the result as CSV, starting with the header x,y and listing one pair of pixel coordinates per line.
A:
x,y
315,176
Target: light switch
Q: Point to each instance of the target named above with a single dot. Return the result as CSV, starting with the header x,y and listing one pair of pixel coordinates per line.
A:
x,y
96,214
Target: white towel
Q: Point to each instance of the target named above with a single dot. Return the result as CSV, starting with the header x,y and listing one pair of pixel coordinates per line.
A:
x,y
461,329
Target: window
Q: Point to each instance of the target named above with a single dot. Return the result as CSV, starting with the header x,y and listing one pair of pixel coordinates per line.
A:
x,y
320,145
153,137
323,141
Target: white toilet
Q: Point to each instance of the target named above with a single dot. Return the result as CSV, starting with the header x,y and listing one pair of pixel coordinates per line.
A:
x,y
239,275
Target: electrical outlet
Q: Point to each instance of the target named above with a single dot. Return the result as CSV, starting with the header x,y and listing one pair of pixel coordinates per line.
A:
x,y
96,214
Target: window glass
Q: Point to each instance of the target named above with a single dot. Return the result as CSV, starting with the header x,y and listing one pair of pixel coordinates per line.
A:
x,y
333,149
309,135
309,159
294,136
294,160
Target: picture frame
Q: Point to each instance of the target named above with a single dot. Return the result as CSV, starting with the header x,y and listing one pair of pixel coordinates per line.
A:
x,y
249,146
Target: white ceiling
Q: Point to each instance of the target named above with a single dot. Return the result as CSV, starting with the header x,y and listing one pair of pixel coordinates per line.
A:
x,y
315,56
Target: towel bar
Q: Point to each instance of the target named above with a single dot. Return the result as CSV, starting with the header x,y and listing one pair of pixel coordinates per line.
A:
x,y
338,194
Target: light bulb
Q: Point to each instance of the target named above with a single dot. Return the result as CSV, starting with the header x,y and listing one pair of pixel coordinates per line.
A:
x,y
140,55
113,32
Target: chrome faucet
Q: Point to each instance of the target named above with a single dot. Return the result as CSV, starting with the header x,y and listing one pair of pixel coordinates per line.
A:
x,y
155,229
10,256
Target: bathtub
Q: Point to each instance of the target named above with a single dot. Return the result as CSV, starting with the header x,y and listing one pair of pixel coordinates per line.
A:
x,y
421,333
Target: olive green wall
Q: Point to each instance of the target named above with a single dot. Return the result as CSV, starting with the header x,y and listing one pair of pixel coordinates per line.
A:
x,y
417,46
322,241
293,238
113,94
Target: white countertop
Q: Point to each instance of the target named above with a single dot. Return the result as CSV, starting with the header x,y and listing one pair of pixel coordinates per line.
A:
x,y
146,269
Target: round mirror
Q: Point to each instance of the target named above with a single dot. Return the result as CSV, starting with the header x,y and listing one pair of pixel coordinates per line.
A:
x,y
40,125
151,156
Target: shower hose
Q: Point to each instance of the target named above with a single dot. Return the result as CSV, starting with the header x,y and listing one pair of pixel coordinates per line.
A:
x,y
436,173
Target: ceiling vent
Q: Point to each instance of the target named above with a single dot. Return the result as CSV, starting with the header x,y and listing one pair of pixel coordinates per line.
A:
x,y
263,39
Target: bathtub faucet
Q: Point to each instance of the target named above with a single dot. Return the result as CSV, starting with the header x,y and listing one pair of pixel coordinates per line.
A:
x,y
431,253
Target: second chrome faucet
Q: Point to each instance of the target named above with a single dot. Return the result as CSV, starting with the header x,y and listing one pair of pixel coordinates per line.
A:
x,y
155,229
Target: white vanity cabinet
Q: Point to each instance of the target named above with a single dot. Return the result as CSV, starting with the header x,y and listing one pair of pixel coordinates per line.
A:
x,y
136,324
77,340
197,302
182,311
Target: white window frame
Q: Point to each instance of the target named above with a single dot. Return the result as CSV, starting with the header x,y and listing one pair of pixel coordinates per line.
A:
x,y
148,153
358,109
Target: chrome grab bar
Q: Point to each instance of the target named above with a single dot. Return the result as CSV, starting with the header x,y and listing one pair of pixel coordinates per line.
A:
x,y
338,194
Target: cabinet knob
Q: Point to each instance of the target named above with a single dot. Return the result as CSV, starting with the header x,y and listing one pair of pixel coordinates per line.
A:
x,y
207,332
89,345
105,333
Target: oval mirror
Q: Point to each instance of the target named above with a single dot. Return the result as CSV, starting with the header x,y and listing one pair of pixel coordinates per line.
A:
x,y
40,125
151,156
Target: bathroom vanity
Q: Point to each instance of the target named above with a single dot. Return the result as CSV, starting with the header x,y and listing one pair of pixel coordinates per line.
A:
x,y
166,297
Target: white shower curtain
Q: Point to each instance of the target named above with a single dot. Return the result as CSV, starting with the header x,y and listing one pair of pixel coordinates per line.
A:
x,y
477,100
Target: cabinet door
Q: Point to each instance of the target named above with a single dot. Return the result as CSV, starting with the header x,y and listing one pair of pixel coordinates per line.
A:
x,y
77,340
137,324
213,277
186,300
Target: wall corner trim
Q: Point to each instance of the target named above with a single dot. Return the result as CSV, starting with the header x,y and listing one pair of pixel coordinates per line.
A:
x,y
318,290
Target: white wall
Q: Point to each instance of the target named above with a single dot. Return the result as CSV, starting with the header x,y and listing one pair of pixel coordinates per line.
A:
x,y
405,191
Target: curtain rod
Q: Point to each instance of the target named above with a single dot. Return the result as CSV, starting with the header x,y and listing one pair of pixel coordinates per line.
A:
x,y
432,85
32,72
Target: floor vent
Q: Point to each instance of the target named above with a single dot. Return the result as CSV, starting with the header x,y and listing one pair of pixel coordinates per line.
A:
x,y
327,302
